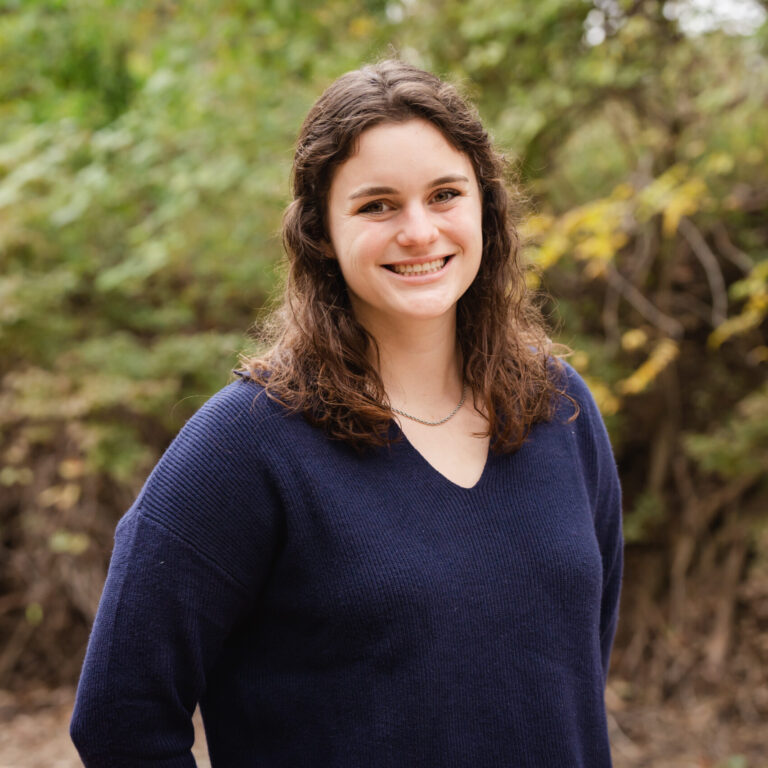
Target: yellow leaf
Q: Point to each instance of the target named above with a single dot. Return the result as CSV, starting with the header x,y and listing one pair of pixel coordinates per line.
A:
x,y
594,269
579,360
71,469
665,352
634,339
734,326
535,226
719,163
61,496
684,201
532,281
361,26
139,64
606,401
623,192
34,614
67,542
695,148
13,475
550,251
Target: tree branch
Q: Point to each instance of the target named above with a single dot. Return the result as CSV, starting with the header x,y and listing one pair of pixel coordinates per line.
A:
x,y
671,327
730,251
708,260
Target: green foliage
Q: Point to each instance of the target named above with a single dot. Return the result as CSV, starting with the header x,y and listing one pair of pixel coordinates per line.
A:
x,y
734,761
144,165
739,447
144,158
649,510
645,158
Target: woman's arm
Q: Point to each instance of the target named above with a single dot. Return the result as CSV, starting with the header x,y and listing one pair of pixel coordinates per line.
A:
x,y
609,535
189,559
602,485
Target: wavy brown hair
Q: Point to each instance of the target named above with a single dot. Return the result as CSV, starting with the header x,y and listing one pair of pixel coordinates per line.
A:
x,y
319,357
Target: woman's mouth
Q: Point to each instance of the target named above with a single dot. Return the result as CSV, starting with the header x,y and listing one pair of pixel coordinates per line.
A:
x,y
425,268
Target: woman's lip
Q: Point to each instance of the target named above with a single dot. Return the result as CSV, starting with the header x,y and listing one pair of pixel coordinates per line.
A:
x,y
417,261
421,277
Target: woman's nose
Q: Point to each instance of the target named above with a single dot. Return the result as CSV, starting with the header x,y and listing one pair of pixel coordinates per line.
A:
x,y
418,227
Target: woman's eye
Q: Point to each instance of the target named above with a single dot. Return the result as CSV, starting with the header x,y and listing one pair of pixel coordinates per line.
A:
x,y
444,195
375,206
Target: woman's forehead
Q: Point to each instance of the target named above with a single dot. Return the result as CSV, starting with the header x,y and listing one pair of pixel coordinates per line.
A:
x,y
390,154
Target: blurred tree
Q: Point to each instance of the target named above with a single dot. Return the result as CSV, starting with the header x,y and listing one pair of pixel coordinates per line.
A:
x,y
643,144
144,156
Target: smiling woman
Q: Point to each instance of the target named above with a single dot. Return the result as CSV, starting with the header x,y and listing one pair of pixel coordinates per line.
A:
x,y
405,224
395,540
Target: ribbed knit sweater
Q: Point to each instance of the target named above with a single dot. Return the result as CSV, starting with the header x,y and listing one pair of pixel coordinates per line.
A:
x,y
330,608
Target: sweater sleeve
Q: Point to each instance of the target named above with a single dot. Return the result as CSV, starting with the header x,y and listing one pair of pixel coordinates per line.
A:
x,y
189,559
604,492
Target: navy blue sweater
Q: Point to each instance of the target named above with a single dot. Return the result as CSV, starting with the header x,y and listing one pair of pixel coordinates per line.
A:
x,y
329,608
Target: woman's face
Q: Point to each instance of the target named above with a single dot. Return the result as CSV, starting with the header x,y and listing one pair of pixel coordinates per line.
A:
x,y
404,217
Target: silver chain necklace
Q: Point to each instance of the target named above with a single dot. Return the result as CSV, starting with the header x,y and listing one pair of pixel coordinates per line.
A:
x,y
435,423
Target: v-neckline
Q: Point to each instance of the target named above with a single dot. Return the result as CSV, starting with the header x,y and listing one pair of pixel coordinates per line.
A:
x,y
396,429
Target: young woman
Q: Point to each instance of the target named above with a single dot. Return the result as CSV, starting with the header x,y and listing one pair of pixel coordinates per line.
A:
x,y
395,539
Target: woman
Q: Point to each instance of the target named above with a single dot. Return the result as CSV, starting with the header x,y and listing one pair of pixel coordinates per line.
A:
x,y
395,540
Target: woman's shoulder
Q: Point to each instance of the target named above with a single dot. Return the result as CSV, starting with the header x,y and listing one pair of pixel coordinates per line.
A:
x,y
579,411
242,405
213,488
576,397
239,426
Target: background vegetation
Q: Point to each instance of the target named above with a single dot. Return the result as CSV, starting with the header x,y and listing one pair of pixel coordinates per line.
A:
x,y
144,156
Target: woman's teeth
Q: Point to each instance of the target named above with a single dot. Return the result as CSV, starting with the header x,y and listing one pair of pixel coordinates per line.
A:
x,y
418,269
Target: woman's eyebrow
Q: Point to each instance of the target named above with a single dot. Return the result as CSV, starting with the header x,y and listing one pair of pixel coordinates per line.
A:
x,y
373,191
448,180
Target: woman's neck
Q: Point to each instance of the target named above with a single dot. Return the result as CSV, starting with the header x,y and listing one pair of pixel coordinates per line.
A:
x,y
420,366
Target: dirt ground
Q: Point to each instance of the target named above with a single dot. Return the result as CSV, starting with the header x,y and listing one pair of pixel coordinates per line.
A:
x,y
34,734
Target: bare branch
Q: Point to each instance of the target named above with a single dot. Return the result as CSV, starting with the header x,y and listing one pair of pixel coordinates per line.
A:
x,y
626,142
644,255
611,316
708,260
722,633
695,306
671,327
730,251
